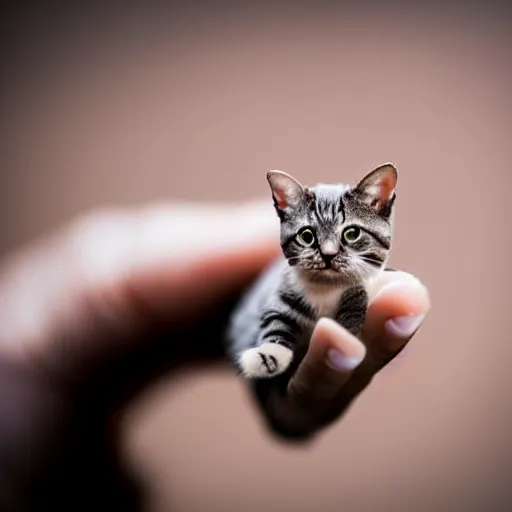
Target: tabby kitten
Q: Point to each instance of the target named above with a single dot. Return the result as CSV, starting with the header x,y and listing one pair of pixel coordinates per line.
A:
x,y
335,240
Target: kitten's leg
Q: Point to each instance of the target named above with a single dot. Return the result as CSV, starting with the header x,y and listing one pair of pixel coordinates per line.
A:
x,y
274,351
352,309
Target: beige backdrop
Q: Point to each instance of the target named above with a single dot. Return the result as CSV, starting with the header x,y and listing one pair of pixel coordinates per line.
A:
x,y
200,105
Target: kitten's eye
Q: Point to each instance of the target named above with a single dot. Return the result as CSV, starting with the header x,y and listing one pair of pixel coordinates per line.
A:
x,y
351,234
306,237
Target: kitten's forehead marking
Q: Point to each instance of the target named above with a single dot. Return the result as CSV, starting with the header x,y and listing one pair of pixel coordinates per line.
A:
x,y
328,204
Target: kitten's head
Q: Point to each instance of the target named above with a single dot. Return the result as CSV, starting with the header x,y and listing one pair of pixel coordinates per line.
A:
x,y
336,233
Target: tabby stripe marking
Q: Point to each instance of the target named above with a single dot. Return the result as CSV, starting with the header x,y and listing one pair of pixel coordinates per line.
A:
x,y
288,241
334,209
382,241
296,303
341,208
352,309
373,263
281,334
276,316
373,259
317,213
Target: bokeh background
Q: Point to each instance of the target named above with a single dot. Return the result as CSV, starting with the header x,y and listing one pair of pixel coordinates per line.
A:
x,y
128,104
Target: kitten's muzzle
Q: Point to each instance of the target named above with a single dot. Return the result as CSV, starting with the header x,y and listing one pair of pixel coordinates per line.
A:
x,y
333,257
328,259
333,266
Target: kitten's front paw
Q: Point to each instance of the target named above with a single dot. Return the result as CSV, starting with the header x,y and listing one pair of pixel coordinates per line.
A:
x,y
267,360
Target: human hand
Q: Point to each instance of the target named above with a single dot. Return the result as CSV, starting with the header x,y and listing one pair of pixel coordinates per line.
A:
x,y
337,366
91,314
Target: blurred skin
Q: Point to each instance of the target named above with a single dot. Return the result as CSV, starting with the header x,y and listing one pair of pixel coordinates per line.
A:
x,y
91,314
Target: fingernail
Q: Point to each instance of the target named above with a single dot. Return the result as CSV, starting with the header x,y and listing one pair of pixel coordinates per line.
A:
x,y
340,362
404,326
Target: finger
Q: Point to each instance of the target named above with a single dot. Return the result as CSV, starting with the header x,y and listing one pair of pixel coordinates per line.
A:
x,y
307,402
332,356
116,269
176,260
397,310
218,254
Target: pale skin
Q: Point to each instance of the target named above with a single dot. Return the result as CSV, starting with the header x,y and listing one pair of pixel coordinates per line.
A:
x,y
92,313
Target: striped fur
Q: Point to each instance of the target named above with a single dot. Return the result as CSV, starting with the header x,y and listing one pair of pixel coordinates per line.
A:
x,y
323,273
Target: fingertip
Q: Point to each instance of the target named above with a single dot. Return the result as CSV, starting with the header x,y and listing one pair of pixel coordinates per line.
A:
x,y
338,348
385,278
401,294
396,312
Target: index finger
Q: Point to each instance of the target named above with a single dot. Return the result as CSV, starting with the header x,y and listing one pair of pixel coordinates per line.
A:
x,y
307,400
332,355
398,307
175,259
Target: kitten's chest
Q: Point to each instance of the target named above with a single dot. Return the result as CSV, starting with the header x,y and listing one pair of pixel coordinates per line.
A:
x,y
325,301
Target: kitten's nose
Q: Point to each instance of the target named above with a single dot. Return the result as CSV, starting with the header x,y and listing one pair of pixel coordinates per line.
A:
x,y
329,250
328,258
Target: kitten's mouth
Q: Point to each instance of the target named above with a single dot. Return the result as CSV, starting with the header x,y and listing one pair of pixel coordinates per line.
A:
x,y
335,267
327,276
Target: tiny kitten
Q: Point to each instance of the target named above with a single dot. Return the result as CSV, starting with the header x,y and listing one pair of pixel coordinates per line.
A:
x,y
335,240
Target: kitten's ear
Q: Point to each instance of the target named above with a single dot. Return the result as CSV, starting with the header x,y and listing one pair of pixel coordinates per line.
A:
x,y
377,188
286,190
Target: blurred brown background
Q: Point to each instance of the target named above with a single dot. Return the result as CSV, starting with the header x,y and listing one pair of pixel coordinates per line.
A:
x,y
136,104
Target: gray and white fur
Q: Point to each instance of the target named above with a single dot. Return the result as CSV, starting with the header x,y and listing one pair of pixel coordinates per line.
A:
x,y
335,240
